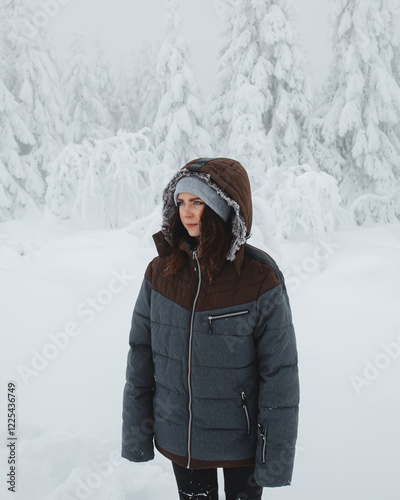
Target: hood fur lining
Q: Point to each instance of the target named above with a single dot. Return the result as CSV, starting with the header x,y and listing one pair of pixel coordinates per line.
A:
x,y
238,223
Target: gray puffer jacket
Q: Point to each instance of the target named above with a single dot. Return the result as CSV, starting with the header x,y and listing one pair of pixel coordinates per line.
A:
x,y
212,375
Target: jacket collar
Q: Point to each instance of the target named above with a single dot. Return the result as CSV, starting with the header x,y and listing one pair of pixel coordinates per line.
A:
x,y
163,247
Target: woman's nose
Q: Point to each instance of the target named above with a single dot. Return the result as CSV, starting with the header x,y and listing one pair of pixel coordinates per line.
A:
x,y
187,210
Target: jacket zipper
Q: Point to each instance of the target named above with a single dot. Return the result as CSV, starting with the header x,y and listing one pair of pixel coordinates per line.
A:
x,y
190,361
220,316
246,411
263,434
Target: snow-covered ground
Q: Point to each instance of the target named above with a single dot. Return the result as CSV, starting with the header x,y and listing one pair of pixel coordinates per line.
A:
x,y
66,303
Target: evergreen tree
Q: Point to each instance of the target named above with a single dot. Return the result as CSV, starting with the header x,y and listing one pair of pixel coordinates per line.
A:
x,y
19,184
108,183
146,84
124,107
179,132
394,19
298,197
219,111
137,91
88,117
105,83
263,98
358,126
32,77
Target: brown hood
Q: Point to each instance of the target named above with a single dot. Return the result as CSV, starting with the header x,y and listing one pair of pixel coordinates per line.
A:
x,y
231,181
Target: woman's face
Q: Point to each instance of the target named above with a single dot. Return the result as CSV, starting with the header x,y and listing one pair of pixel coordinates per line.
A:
x,y
190,211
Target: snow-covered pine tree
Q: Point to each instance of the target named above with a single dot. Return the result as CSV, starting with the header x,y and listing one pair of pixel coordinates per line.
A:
x,y
108,183
20,185
103,74
124,105
291,87
263,98
137,91
6,67
298,197
358,126
179,132
33,78
146,84
241,111
88,118
218,110
394,16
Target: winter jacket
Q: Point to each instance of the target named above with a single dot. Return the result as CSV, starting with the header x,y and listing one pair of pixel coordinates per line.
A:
x,y
212,374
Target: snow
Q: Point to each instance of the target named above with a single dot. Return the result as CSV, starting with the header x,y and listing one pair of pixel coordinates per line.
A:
x,y
73,288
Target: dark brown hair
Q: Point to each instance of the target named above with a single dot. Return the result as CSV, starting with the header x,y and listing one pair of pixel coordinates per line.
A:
x,y
215,237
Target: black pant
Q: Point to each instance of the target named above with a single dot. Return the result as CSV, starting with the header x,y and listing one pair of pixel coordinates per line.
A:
x,y
201,484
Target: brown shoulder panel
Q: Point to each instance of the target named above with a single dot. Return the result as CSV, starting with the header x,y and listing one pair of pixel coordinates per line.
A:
x,y
227,289
180,288
271,281
230,289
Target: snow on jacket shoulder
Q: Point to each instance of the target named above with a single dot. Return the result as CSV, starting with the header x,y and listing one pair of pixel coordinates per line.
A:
x,y
212,368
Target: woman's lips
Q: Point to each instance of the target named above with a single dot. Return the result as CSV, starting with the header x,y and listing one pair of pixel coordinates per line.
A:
x,y
191,225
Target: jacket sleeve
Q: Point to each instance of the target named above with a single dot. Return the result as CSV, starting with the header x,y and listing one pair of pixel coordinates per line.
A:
x,y
279,388
137,413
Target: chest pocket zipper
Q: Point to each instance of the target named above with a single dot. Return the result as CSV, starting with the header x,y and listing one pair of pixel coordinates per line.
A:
x,y
246,411
222,316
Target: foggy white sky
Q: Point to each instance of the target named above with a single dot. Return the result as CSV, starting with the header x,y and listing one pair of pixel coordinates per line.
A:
x,y
124,23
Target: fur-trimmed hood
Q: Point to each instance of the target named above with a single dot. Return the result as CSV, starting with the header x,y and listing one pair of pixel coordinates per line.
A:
x,y
231,182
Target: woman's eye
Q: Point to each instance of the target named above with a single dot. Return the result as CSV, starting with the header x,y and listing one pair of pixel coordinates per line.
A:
x,y
180,203
199,203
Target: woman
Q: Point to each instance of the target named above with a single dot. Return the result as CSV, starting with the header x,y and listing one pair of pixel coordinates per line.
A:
x,y
212,374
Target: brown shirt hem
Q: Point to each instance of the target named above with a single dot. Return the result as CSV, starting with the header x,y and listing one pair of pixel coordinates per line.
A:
x,y
205,464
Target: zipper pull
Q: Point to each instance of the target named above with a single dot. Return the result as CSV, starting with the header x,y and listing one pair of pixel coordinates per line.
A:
x,y
263,434
194,258
246,411
209,325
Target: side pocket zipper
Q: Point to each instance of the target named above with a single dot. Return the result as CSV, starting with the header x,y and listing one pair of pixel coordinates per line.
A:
x,y
221,316
263,434
246,411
